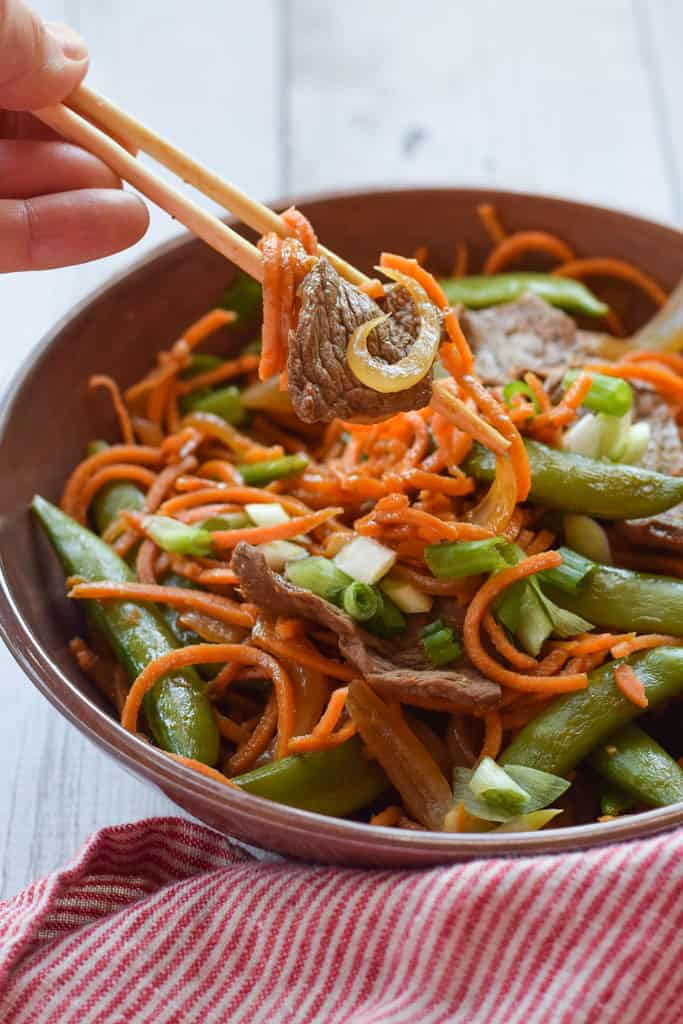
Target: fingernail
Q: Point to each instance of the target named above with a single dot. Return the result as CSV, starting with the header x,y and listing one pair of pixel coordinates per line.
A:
x,y
72,45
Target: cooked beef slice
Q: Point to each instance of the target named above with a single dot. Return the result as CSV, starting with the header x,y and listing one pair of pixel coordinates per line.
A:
x,y
465,688
664,454
321,384
510,339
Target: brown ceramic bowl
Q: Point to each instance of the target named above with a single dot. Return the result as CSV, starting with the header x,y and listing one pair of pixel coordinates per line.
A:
x,y
47,420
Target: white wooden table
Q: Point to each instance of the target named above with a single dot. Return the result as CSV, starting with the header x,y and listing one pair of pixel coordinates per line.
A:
x,y
300,95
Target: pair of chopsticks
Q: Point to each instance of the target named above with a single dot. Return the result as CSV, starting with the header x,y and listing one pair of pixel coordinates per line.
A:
x,y
96,124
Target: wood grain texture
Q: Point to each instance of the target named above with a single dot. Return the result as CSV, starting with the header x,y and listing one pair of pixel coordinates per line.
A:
x,y
582,100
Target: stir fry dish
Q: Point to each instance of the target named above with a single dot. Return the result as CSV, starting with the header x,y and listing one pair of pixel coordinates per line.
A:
x,y
414,554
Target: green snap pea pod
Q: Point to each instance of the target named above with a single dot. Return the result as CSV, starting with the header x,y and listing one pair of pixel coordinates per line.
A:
x,y
614,800
177,708
593,487
481,290
627,601
337,781
574,724
258,474
113,498
639,766
223,402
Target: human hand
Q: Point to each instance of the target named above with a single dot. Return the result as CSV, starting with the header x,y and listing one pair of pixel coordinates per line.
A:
x,y
58,204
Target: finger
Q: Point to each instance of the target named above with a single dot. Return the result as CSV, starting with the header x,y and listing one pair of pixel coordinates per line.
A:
x,y
36,168
15,124
39,64
69,228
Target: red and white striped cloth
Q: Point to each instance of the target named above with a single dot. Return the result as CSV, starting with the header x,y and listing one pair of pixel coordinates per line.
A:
x,y
165,921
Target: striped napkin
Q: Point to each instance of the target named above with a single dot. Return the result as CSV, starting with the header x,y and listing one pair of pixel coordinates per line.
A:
x,y
166,921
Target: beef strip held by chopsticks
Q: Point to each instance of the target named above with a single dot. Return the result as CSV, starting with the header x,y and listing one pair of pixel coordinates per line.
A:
x,y
321,384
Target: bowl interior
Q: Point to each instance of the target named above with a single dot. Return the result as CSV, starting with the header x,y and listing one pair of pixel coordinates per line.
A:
x,y
48,418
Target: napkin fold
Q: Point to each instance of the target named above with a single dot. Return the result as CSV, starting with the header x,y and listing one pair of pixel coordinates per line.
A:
x,y
166,921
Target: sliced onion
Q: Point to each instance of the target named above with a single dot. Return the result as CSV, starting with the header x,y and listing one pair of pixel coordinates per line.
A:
x,y
386,377
495,509
268,396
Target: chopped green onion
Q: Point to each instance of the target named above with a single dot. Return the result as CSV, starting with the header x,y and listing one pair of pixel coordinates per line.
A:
x,y
441,647
614,434
408,598
243,296
519,387
637,443
223,402
587,537
508,606
228,521
531,790
360,601
531,822
365,560
319,575
432,627
465,558
201,362
388,620
571,574
179,538
258,474
610,395
584,437
494,786
543,787
279,553
535,625
269,513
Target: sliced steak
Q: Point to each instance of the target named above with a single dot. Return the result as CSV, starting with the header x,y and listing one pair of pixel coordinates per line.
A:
x,y
465,688
664,454
529,334
321,384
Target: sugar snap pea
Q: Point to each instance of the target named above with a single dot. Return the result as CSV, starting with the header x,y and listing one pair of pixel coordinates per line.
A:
x,y
639,766
625,600
337,781
593,487
570,728
177,708
481,290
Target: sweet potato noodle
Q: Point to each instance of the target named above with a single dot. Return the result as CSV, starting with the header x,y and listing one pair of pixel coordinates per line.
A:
x,y
412,586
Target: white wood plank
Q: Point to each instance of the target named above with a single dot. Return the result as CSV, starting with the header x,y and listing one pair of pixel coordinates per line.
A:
x,y
660,26
186,78
527,95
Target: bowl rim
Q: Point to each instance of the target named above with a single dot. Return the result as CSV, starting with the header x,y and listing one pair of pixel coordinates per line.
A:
x,y
140,758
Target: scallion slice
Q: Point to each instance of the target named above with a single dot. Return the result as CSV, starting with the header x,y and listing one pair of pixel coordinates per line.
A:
x,y
441,648
365,559
519,387
176,537
360,601
570,575
465,558
494,786
611,395
319,575
258,474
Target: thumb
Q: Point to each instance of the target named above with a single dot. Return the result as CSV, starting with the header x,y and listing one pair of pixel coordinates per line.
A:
x,y
39,64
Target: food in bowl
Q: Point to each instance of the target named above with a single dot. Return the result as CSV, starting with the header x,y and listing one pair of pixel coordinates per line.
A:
x,y
414,560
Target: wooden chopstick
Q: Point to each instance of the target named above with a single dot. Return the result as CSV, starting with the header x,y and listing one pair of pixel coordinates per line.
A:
x,y
205,225
103,113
